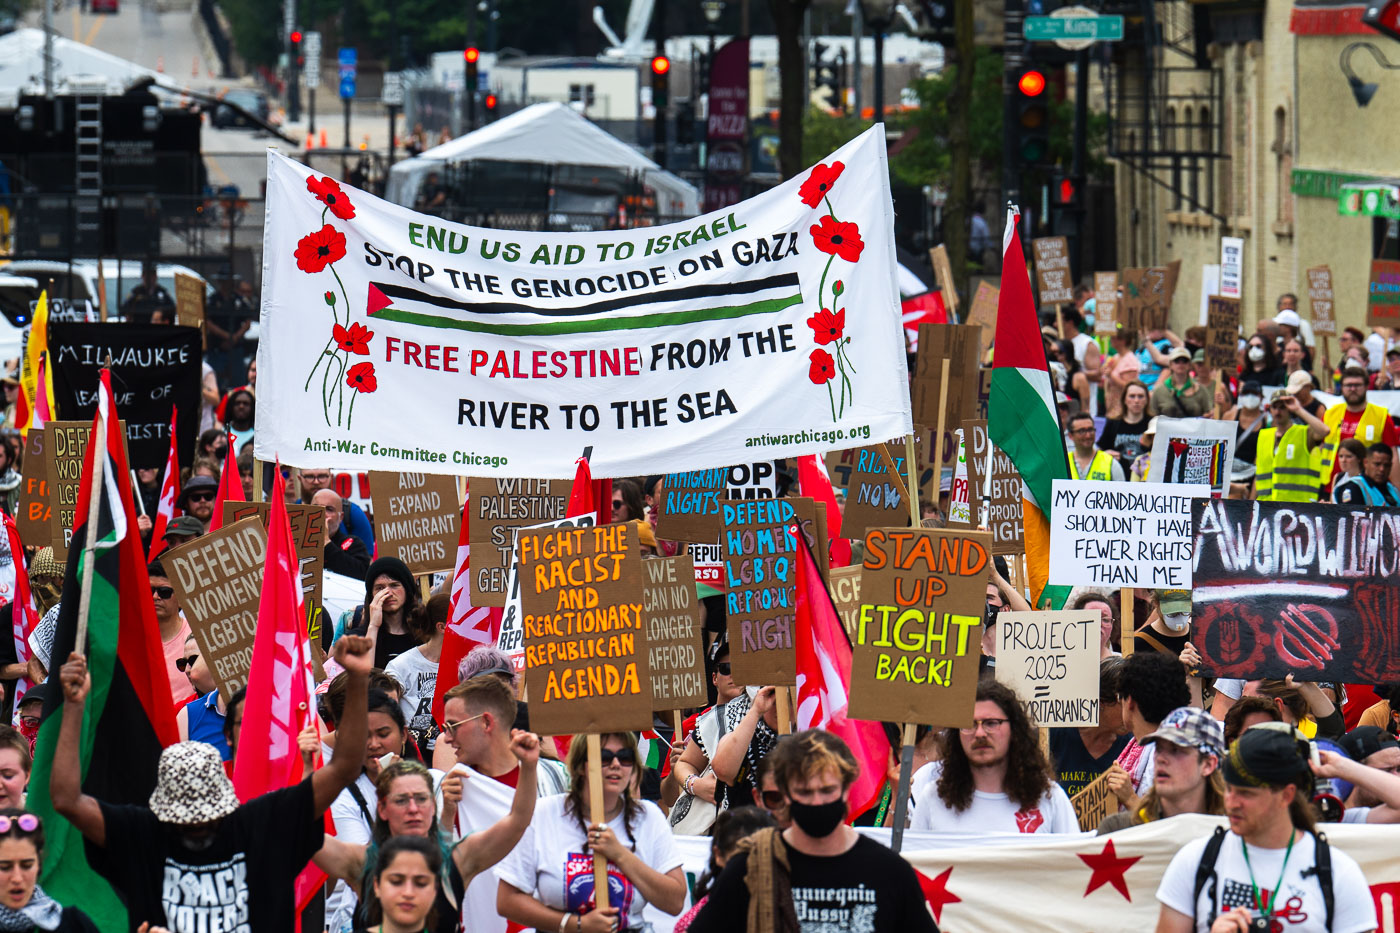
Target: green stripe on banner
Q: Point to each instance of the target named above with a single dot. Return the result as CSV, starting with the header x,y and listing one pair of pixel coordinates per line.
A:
x,y
593,325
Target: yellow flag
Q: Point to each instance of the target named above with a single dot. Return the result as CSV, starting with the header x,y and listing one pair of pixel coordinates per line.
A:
x,y
36,345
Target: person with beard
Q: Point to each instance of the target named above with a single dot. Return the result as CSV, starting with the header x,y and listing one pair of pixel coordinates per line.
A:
x,y
1186,771
819,873
994,778
197,498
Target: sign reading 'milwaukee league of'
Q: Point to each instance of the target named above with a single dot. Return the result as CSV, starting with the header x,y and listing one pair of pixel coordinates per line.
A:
x,y
769,329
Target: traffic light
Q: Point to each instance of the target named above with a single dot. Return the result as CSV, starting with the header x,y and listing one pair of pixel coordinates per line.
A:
x,y
685,123
1032,117
660,81
296,48
826,83
1064,191
470,56
491,102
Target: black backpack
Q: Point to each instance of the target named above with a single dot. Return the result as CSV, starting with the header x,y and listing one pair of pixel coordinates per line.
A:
x,y
1205,873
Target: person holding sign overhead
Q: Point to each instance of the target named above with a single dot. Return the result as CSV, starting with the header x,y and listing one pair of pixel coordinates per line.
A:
x,y
1086,461
1284,470
547,881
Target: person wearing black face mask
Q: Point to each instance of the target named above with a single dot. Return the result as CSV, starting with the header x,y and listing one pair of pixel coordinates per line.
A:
x,y
818,866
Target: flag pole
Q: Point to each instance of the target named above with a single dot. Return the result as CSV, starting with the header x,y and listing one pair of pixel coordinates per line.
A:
x,y
596,815
95,489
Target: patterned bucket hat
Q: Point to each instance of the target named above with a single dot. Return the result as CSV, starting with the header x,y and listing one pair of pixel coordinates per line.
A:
x,y
191,786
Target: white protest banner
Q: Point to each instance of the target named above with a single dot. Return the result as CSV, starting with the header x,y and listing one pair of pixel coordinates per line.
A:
x,y
1051,660
1193,450
393,340
511,640
1122,534
1231,266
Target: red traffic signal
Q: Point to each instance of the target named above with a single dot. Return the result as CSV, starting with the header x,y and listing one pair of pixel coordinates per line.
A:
x,y
660,65
1031,83
471,55
491,102
1066,191
296,37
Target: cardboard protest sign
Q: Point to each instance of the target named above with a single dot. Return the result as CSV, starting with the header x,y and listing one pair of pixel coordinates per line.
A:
x,y
1004,517
1158,285
1131,303
506,351
873,500
586,656
65,446
218,579
1192,451
960,512
308,538
1383,294
1231,266
709,563
34,519
757,480
1320,295
497,507
1094,804
1307,589
154,366
1052,273
1122,534
1105,303
840,464
956,343
1051,660
943,274
417,519
760,579
1222,331
918,641
189,301
983,313
845,595
675,643
511,638
689,506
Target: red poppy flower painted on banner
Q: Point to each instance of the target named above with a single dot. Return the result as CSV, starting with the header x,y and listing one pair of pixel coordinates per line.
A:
x,y
827,327
317,250
327,191
361,377
823,367
840,239
354,340
818,184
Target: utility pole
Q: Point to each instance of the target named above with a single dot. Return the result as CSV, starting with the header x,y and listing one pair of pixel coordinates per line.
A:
x,y
958,211
1077,170
1013,58
659,127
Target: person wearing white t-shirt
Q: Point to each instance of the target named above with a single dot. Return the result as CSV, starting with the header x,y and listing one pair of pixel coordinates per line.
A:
x,y
547,881
1268,871
994,777
417,670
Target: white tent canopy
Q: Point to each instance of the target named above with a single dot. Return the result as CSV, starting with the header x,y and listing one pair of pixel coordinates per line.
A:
x,y
550,133
22,66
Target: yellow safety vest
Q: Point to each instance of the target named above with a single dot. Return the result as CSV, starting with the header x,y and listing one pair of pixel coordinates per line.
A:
x,y
1369,430
1285,474
1100,469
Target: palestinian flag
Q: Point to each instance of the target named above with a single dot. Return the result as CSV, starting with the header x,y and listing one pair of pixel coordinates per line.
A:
x,y
652,750
129,715
1021,415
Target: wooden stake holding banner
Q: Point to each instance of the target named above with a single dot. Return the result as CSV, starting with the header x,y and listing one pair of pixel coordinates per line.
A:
x,y
596,815
911,730
783,711
98,445
1125,624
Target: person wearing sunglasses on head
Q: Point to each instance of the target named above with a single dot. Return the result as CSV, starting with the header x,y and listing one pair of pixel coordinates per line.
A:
x,y
202,717
197,498
547,881
691,773
16,761
23,904
174,631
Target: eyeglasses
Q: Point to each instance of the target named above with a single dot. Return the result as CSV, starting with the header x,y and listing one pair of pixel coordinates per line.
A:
x,y
988,725
184,664
1088,430
419,800
30,721
617,503
454,726
201,497
316,477
164,592
772,799
623,756
723,668
25,822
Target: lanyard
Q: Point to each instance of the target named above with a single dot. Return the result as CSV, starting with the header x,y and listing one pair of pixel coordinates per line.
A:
x,y
1268,908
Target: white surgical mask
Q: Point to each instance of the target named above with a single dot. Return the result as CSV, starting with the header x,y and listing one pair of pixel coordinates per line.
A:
x,y
1256,354
1250,401
1177,621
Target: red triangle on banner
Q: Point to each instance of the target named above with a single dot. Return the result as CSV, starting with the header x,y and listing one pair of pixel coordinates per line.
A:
x,y
378,301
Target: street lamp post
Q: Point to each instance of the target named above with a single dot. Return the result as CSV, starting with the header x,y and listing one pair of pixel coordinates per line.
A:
x,y
878,15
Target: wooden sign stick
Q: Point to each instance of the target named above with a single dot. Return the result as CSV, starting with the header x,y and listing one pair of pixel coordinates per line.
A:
x,y
257,480
1125,622
596,815
894,474
784,711
677,724
96,488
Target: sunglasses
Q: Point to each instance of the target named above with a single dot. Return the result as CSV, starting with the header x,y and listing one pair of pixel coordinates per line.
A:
x,y
164,592
723,668
201,497
772,799
617,503
452,727
623,756
25,822
184,664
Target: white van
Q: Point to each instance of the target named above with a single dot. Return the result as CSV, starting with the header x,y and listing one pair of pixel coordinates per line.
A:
x,y
78,281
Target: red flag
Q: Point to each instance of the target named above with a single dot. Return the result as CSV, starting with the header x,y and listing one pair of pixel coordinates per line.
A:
x,y
590,495
815,482
230,487
824,682
467,625
166,509
24,614
43,414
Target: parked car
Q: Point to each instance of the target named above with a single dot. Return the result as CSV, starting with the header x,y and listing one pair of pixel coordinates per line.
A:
x,y
78,282
246,99
104,6
16,292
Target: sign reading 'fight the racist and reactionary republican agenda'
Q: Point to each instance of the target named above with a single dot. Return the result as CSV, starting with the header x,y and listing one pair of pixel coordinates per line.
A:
x,y
394,340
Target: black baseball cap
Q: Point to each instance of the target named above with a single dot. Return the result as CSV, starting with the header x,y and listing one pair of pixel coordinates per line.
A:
x,y
1364,741
1264,756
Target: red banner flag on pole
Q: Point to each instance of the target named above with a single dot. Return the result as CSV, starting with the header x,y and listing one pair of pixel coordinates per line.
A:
x,y
166,509
230,487
467,625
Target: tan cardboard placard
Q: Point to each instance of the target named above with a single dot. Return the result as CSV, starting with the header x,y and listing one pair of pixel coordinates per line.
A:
x,y
65,449
1051,660
1130,305
586,657
689,506
417,519
1004,519
1383,294
189,301
840,464
966,490
1052,273
676,645
218,579
984,314
943,274
845,594
919,635
1156,287
1106,303
956,343
308,538
1222,331
873,499
35,519
496,507
1324,317
1094,803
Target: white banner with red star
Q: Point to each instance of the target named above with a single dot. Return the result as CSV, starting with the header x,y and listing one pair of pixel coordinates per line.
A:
x,y
399,341
1074,883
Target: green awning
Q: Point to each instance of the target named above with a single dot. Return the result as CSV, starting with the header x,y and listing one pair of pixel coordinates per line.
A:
x,y
1369,199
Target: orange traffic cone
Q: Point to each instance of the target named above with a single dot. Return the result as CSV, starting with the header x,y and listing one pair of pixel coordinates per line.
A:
x,y
160,64
310,142
324,143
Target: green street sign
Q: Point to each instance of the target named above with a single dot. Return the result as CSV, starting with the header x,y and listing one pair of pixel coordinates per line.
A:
x,y
1074,28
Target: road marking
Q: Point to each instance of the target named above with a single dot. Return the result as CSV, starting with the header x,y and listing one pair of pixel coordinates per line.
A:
x,y
213,165
77,28
92,33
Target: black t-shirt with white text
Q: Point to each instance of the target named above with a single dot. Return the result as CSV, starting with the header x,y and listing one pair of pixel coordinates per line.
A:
x,y
864,889
242,883
1075,768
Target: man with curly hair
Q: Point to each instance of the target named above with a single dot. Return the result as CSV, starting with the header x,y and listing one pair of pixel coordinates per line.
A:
x,y
994,778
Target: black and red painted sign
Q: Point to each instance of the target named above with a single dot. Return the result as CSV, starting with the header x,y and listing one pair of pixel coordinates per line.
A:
x,y
1291,588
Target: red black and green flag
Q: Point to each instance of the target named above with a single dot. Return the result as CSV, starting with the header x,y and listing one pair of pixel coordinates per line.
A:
x,y
129,716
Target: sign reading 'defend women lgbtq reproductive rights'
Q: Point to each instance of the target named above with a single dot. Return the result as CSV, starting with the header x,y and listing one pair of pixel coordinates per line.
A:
x,y
394,340
1122,534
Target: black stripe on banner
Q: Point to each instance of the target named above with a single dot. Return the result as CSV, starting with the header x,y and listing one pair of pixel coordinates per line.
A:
x,y
787,280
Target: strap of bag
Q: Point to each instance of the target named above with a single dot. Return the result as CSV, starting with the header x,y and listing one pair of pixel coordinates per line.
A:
x,y
1323,869
1205,871
364,806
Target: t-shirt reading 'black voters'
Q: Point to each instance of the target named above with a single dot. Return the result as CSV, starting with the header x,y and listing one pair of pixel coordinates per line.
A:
x,y
865,889
240,884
